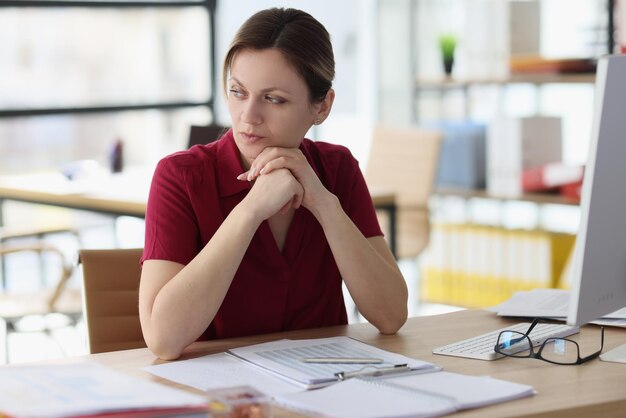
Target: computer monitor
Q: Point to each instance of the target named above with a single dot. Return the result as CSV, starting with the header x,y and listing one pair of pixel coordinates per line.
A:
x,y
599,263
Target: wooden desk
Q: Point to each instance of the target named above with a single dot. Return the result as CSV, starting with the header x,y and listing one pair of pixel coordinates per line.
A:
x,y
123,194
596,389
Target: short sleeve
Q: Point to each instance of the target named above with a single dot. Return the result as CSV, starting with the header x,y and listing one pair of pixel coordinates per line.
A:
x,y
171,228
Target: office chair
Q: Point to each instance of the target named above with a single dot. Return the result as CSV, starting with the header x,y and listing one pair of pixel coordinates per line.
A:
x,y
205,134
404,160
59,299
111,298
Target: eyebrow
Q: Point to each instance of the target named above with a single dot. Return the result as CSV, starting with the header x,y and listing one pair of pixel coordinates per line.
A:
x,y
267,90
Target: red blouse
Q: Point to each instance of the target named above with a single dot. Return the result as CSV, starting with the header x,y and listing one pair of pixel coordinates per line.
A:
x,y
193,192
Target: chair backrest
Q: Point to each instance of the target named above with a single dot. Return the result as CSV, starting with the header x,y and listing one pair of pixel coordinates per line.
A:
x,y
205,134
404,160
111,299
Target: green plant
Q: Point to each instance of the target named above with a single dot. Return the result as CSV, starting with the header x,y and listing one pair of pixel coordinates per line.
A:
x,y
447,44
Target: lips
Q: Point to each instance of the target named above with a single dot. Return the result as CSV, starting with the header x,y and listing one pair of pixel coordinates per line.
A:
x,y
250,138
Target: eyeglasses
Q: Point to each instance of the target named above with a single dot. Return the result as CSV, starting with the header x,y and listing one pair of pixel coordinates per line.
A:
x,y
553,350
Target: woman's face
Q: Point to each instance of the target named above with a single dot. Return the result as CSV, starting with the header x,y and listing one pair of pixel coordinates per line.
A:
x,y
268,103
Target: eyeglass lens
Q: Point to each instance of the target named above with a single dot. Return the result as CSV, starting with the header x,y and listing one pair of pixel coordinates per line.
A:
x,y
558,350
514,344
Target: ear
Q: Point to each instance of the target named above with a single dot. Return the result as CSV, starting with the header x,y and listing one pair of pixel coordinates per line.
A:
x,y
322,109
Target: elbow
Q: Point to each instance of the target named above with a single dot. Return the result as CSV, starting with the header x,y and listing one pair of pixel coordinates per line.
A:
x,y
392,322
162,347
164,352
391,325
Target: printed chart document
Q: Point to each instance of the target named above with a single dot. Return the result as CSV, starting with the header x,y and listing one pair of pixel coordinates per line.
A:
x,y
285,358
549,303
84,388
409,395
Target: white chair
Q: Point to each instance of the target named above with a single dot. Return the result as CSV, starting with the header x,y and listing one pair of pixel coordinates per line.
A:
x,y
57,299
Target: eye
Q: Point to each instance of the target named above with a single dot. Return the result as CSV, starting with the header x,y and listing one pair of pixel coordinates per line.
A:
x,y
236,92
274,100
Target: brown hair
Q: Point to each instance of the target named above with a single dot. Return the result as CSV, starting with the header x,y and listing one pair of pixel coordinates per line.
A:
x,y
303,41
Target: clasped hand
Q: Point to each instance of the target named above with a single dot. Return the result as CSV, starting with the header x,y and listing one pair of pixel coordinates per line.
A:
x,y
283,179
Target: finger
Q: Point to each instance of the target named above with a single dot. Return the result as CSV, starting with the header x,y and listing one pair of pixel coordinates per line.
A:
x,y
280,162
251,173
243,176
259,162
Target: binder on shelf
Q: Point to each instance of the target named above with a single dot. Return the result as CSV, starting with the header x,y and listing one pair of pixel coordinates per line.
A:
x,y
550,177
477,266
572,190
462,156
517,144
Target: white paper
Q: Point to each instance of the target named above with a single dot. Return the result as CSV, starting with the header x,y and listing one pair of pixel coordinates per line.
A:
x,y
546,303
80,389
218,371
356,398
467,391
610,322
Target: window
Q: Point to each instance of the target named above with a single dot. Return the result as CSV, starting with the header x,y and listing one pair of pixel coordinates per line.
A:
x,y
77,75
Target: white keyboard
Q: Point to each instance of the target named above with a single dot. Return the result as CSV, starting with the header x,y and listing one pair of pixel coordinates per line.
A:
x,y
482,347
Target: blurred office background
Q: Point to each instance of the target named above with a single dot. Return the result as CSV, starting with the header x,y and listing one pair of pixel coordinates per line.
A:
x,y
75,81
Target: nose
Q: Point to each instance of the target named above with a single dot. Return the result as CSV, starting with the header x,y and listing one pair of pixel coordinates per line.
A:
x,y
251,113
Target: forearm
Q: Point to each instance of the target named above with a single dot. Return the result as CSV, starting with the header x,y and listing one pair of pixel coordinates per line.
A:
x,y
372,277
187,304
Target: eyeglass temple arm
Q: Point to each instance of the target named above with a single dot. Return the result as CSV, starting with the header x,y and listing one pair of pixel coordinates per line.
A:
x,y
532,326
597,353
526,335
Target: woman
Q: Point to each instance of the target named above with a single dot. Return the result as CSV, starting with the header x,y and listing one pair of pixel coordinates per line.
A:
x,y
254,233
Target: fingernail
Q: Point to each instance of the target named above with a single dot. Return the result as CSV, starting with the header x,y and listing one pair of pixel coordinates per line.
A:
x,y
240,176
263,170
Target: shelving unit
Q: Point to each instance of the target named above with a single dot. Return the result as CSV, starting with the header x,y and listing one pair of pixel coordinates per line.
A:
x,y
474,264
448,84
538,79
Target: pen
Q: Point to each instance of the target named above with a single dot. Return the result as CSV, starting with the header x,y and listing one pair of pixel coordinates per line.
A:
x,y
383,371
345,360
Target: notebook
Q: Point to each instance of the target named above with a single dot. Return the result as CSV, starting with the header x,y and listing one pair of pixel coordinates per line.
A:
x,y
418,394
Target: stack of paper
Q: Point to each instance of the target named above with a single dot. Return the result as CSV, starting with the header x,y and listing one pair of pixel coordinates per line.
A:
x,y
549,303
81,389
